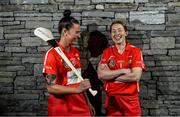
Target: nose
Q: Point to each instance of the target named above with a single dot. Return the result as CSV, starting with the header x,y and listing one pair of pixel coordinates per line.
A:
x,y
79,36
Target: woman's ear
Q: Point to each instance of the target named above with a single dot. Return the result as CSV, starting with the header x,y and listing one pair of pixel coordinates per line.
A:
x,y
126,33
64,32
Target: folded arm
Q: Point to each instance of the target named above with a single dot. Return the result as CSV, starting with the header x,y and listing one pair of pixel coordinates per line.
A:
x,y
104,73
135,75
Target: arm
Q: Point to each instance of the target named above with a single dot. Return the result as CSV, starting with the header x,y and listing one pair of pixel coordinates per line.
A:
x,y
56,89
135,75
104,73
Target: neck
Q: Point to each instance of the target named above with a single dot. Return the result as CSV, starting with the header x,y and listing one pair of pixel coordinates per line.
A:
x,y
121,46
64,44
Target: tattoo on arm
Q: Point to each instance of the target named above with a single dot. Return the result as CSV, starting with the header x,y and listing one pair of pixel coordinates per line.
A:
x,y
50,79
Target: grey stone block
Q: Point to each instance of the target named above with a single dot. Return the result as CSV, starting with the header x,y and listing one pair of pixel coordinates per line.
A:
x,y
121,15
121,7
5,54
14,27
77,8
159,67
35,24
33,41
26,55
9,62
6,14
6,80
32,14
155,52
13,8
97,14
15,68
149,63
46,8
112,1
15,49
100,7
38,18
164,73
31,60
4,1
173,20
141,1
83,2
162,42
67,1
150,6
160,111
15,41
147,27
29,1
11,23
177,33
167,63
147,17
1,30
174,52
7,18
6,90
17,31
95,21
168,87
43,49
175,3
26,96
163,33
151,104
8,74
169,79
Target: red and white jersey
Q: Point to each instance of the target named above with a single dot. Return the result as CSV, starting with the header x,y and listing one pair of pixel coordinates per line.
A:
x,y
65,105
54,64
130,58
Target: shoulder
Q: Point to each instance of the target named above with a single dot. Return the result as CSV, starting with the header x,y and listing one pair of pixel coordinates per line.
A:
x,y
133,47
109,49
51,53
75,50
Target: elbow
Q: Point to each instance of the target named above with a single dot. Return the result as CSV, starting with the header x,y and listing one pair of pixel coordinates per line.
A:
x,y
99,76
137,78
49,89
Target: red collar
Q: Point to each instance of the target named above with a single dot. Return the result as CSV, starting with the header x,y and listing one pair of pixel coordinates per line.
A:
x,y
128,46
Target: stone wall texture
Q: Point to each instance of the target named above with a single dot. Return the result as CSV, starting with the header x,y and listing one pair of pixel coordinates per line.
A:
x,y
154,26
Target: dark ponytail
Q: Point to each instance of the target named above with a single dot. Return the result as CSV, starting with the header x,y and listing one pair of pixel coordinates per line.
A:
x,y
67,21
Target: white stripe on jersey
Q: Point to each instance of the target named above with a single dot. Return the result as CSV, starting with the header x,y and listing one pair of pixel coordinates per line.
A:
x,y
46,59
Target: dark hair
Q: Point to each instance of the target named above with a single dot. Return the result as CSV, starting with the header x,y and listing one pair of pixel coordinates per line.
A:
x,y
118,22
67,21
97,42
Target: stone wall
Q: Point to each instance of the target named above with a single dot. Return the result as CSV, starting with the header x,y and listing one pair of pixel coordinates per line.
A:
x,y
154,26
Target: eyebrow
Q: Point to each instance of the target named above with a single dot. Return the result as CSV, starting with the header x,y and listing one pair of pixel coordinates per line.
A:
x,y
116,29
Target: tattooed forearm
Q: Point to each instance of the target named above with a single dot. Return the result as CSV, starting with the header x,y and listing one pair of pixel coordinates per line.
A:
x,y
50,79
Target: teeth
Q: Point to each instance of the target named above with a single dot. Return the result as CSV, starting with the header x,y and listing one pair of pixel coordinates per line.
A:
x,y
118,37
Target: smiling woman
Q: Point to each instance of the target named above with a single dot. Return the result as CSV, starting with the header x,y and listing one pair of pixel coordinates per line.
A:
x,y
66,89
121,68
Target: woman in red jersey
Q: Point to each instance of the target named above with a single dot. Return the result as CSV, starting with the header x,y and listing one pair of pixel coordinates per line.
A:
x,y
121,67
66,90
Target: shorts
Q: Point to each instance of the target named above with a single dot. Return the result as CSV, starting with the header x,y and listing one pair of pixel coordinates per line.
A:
x,y
123,105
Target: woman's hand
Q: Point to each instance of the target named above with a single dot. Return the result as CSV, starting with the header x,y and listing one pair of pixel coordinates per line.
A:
x,y
85,84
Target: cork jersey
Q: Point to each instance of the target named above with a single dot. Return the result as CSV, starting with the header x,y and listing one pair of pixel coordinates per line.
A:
x,y
65,105
54,64
130,58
